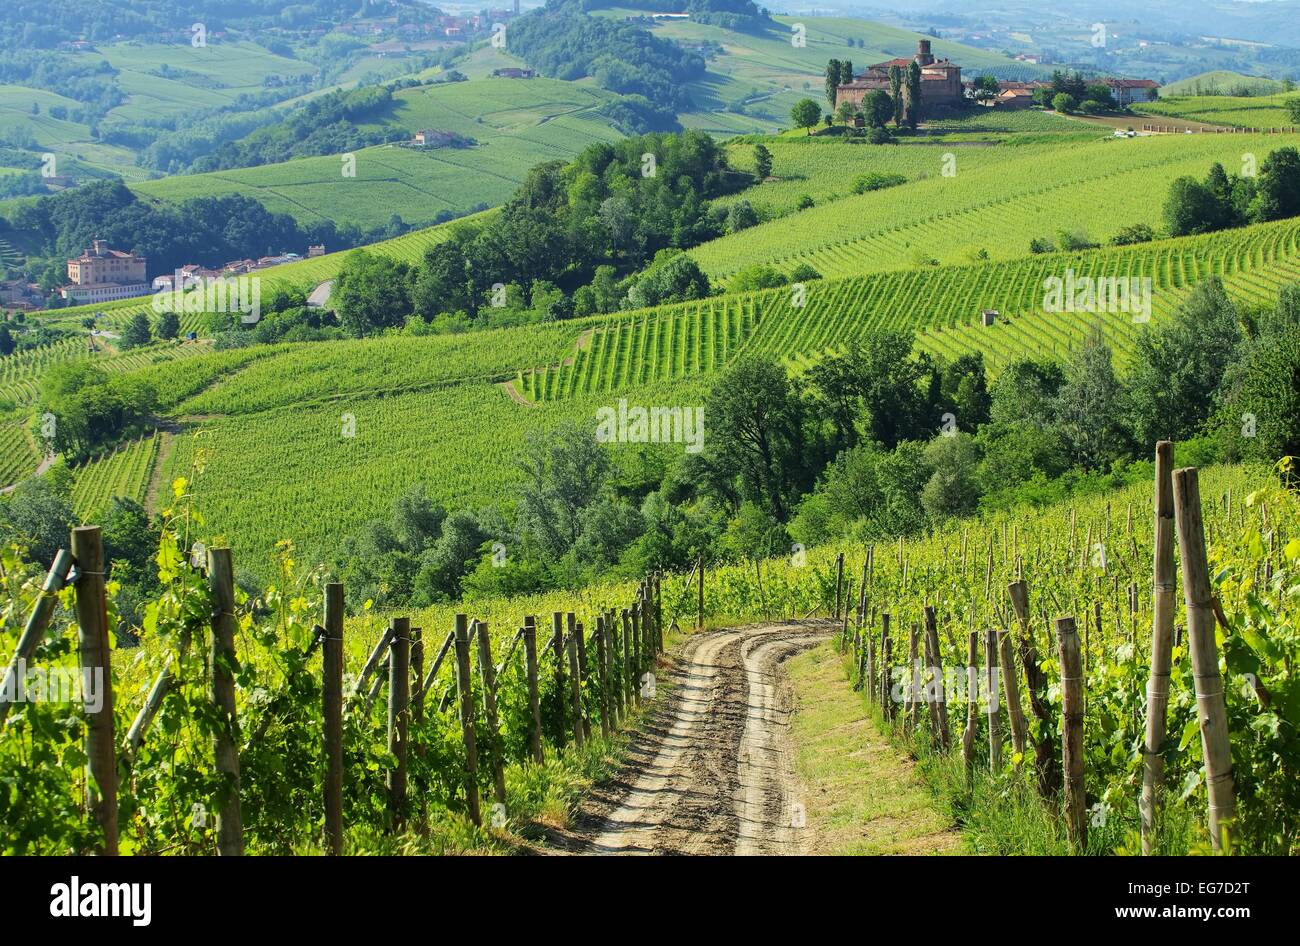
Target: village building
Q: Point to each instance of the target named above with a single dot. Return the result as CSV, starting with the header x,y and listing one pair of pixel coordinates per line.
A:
x,y
1128,91
512,72
103,275
941,85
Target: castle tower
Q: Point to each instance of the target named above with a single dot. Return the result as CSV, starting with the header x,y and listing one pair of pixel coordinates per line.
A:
x,y
923,56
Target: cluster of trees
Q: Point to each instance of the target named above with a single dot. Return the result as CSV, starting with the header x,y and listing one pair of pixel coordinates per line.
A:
x,y
329,124
602,232
562,41
1225,200
739,15
92,408
1071,92
205,230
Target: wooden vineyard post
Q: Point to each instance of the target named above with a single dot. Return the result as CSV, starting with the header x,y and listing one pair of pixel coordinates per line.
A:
x,y
614,670
1046,765
557,642
534,695
577,633
1011,690
488,675
994,706
416,713
34,630
938,695
97,666
632,645
1211,709
839,582
632,652
1163,606
332,706
913,718
399,694
890,709
886,654
647,659
465,689
602,667
972,703
221,578
1076,814
699,611
575,689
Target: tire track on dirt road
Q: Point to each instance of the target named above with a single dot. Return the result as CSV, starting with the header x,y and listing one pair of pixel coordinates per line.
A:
x,y
712,772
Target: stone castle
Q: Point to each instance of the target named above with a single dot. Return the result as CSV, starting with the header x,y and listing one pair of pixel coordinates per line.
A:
x,y
940,80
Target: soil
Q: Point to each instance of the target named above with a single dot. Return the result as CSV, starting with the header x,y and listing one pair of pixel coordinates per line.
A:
x,y
711,771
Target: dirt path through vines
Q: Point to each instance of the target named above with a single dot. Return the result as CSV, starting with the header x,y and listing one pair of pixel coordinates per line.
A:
x,y
712,771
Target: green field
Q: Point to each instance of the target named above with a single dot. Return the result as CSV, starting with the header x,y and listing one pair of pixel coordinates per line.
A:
x,y
125,472
517,125
997,200
1222,82
1258,112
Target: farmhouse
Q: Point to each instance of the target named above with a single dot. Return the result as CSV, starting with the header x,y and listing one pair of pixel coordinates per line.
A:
x,y
940,80
513,72
103,275
1128,91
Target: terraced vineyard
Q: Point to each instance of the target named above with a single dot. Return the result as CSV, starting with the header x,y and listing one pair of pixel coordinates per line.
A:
x,y
18,456
996,206
124,472
666,344
941,305
20,373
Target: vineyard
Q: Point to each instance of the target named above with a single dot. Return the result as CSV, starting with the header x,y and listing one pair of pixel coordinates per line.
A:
x,y
1253,112
1097,187
472,730
1082,572
307,757
125,472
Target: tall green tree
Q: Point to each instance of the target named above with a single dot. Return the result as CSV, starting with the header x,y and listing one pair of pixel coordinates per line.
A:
x,y
896,94
754,437
1092,406
1179,365
137,332
832,80
762,162
806,113
913,93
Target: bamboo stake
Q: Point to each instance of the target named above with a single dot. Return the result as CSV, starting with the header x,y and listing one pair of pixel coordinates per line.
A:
x,y
1204,653
575,689
557,639
938,703
1162,639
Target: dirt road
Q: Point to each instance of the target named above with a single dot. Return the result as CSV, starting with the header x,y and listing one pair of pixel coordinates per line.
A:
x,y
712,773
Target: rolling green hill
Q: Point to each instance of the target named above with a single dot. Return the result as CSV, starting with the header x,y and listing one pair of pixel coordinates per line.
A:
x,y
1256,112
515,123
996,200
346,426
1223,82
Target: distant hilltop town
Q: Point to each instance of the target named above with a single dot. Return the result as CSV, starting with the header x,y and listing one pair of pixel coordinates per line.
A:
x,y
103,274
942,86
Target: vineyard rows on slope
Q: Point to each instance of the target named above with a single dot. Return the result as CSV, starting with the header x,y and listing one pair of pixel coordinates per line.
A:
x,y
1099,187
125,472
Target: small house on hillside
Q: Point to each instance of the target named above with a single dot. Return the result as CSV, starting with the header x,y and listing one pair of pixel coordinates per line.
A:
x,y
512,72
988,317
